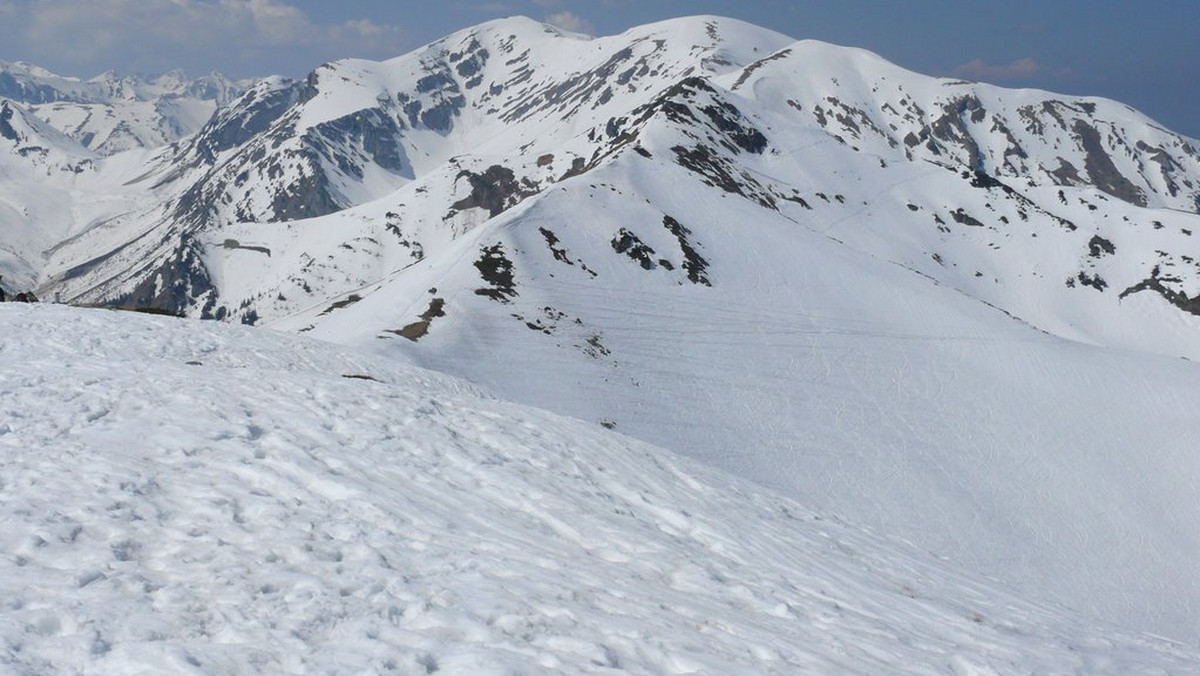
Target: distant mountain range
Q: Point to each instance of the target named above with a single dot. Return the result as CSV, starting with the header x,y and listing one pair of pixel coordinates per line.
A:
x,y
958,313
109,114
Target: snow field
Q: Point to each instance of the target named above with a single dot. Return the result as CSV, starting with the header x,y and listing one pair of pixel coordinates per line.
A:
x,y
260,512
834,376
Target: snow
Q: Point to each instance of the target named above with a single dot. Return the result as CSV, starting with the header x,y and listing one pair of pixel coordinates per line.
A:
x,y
198,498
835,377
885,339
110,114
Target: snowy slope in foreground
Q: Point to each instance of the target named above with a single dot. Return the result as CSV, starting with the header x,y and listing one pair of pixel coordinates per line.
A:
x,y
178,497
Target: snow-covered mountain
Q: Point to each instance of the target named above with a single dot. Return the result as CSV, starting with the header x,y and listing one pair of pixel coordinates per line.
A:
x,y
955,313
110,113
39,170
186,498
1039,204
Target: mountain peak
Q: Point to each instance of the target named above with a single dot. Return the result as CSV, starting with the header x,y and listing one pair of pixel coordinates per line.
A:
x,y
713,237
110,113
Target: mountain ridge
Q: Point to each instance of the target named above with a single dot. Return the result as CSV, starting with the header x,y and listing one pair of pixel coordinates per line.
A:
x,y
109,113
935,307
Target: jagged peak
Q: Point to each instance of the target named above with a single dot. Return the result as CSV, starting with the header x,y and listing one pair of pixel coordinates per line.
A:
x,y
20,127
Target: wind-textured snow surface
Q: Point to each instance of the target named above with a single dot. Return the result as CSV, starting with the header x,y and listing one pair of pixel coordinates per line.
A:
x,y
197,498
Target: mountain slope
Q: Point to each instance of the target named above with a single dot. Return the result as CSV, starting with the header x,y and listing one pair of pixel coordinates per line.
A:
x,y
945,310
40,168
1055,209
823,372
203,498
356,131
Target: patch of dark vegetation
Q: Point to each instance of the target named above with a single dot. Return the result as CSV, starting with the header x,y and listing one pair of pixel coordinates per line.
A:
x,y
231,243
560,254
497,270
594,348
913,207
627,243
347,302
797,199
728,119
964,218
470,67
693,263
495,190
717,171
547,323
578,166
360,376
392,225
418,329
1158,284
1095,281
1098,246
981,179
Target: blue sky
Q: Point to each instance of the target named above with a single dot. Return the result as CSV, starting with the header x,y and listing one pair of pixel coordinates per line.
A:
x,y
1145,53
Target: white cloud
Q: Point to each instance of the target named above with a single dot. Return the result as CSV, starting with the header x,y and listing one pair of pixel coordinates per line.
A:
x,y
251,36
1021,69
570,21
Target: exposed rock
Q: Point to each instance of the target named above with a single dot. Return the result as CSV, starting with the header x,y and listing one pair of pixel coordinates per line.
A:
x,y
627,243
1098,246
1101,170
344,303
1157,284
418,329
693,263
497,270
964,218
495,190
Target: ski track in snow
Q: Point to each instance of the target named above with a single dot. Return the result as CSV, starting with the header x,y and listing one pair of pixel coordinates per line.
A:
x,y
259,512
